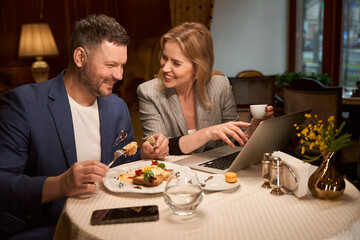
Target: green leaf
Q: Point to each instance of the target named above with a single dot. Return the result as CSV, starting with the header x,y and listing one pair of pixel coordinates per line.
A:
x,y
341,142
148,175
340,129
311,159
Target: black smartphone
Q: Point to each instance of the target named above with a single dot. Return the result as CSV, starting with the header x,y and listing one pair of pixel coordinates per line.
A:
x,y
125,215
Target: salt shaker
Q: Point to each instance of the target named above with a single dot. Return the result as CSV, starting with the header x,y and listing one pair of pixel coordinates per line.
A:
x,y
276,176
266,166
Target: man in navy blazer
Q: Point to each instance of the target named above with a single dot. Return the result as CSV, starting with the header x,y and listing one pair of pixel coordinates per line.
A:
x,y
57,137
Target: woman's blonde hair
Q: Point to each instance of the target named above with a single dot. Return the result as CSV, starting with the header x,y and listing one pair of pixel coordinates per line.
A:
x,y
196,43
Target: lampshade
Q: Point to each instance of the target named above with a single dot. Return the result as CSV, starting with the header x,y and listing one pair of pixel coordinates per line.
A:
x,y
36,40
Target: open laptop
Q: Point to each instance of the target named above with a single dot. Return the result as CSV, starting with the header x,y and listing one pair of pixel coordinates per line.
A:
x,y
271,135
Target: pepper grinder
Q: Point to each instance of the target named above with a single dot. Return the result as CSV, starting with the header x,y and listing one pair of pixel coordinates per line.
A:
x,y
276,179
266,166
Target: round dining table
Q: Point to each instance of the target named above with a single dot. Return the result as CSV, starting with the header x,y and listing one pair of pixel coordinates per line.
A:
x,y
246,211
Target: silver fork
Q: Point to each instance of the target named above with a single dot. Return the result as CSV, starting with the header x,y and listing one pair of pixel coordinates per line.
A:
x,y
153,144
117,154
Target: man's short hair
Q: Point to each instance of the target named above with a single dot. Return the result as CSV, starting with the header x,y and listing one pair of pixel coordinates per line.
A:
x,y
91,31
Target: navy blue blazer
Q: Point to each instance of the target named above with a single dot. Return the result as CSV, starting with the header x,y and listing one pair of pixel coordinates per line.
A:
x,y
37,141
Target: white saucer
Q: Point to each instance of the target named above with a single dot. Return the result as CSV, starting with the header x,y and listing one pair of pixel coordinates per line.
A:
x,y
217,183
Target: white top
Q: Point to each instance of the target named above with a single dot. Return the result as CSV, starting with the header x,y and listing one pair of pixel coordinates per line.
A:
x,y
87,131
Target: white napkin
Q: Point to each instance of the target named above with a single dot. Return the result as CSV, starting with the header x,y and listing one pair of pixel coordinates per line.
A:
x,y
301,169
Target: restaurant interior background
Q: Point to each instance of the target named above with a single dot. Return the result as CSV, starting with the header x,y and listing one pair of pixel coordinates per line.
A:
x,y
272,37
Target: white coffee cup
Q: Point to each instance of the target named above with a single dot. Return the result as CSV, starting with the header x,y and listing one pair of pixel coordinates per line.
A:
x,y
258,111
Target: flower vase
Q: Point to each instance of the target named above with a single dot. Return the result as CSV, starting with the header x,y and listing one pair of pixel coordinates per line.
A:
x,y
326,182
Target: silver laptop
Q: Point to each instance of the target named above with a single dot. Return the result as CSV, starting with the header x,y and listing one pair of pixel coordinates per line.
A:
x,y
271,135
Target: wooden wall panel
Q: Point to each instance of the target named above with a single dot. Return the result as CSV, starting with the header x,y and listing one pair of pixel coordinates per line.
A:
x,y
141,19
144,18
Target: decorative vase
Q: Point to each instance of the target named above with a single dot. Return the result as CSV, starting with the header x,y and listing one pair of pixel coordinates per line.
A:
x,y
326,182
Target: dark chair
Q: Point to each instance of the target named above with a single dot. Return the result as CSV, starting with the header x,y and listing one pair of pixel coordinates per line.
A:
x,y
325,101
252,90
303,93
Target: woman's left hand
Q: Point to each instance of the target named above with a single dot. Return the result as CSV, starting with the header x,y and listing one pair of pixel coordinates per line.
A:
x,y
269,112
255,122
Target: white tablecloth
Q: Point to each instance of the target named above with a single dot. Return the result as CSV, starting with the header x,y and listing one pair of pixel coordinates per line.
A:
x,y
246,212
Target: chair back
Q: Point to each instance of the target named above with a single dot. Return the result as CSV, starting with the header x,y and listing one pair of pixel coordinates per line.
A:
x,y
306,93
252,90
249,73
217,72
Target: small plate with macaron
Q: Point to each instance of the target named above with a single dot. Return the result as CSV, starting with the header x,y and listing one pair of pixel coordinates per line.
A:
x,y
220,182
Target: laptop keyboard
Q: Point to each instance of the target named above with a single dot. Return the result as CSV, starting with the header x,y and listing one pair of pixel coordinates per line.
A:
x,y
221,163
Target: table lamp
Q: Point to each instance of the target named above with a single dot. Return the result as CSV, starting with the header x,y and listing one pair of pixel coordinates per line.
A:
x,y
36,40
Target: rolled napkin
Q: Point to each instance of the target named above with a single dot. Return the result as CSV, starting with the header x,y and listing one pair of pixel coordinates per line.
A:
x,y
302,170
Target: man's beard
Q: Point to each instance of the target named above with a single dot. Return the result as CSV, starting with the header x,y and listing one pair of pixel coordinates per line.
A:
x,y
87,78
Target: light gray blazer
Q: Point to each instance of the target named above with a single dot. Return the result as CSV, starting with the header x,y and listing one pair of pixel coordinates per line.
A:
x,y
160,110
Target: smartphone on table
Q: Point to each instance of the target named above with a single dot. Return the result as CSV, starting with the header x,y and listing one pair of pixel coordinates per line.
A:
x,y
125,215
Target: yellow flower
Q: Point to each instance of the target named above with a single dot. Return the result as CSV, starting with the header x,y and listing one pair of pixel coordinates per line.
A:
x,y
311,145
305,131
326,139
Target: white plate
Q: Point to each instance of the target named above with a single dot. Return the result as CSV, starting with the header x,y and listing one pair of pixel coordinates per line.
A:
x,y
217,183
114,184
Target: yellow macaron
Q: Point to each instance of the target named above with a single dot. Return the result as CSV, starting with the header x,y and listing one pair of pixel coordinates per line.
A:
x,y
230,177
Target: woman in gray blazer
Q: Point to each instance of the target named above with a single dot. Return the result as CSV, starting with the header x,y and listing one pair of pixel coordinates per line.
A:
x,y
193,109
